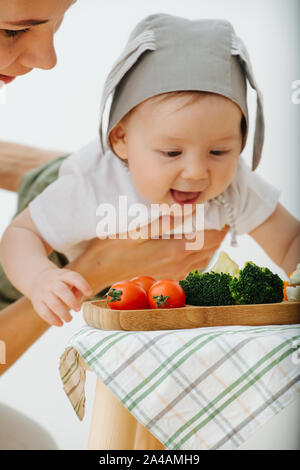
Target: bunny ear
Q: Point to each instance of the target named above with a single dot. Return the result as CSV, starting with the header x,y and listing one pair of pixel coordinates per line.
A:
x,y
239,48
133,50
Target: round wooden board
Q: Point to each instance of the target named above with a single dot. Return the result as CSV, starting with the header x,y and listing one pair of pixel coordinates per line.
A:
x,y
96,314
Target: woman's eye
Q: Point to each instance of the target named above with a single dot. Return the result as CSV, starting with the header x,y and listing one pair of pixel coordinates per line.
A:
x,y
172,153
11,33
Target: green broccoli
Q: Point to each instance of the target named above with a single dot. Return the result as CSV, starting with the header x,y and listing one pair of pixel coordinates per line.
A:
x,y
207,289
256,285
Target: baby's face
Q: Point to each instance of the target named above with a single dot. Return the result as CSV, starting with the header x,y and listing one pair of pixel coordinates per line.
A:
x,y
182,145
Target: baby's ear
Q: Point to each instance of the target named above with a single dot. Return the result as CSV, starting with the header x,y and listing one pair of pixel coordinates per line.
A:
x,y
118,140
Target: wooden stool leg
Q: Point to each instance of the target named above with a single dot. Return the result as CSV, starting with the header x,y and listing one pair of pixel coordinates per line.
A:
x,y
144,439
113,427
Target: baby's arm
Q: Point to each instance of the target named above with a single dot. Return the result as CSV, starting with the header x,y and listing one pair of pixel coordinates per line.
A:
x,y
279,236
52,291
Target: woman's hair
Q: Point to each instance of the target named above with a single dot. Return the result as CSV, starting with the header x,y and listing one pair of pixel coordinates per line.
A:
x,y
192,97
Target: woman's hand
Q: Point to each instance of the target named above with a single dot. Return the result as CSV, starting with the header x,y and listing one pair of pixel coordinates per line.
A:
x,y
107,261
55,292
163,258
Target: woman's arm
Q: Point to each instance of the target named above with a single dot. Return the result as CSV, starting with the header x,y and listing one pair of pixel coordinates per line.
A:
x,y
279,236
18,159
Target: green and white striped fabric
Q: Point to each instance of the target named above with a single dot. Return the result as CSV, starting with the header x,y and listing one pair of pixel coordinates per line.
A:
x,y
194,389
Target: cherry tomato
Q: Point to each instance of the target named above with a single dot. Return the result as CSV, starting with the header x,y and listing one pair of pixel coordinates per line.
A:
x,y
144,281
166,293
127,295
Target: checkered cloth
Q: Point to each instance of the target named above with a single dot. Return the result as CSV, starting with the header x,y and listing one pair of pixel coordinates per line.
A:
x,y
194,389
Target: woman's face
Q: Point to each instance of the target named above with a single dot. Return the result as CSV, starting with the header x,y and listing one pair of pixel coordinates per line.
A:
x,y
27,29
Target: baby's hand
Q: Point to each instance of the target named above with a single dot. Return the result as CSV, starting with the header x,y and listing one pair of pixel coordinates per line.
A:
x,y
56,291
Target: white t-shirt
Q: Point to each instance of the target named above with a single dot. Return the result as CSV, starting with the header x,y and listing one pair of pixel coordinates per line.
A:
x,y
65,213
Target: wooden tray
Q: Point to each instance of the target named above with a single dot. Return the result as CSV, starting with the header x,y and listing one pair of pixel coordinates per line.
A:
x,y
97,315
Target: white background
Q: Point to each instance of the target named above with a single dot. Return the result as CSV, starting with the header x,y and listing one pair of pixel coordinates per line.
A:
x,y
59,109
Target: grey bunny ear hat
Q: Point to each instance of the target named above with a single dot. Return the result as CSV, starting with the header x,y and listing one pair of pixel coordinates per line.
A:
x,y
166,53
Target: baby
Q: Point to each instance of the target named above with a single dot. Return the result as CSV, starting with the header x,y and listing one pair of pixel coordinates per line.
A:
x,y
178,123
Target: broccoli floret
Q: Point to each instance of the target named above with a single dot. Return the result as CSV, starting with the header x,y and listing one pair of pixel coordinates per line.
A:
x,y
207,289
256,285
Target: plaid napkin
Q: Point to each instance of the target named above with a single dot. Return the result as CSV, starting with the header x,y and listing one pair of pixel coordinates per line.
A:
x,y
194,389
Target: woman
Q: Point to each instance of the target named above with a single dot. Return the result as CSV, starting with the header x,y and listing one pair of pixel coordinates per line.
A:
x,y
26,42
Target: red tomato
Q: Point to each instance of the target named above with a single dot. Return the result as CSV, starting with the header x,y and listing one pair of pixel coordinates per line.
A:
x,y
166,293
127,295
144,281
